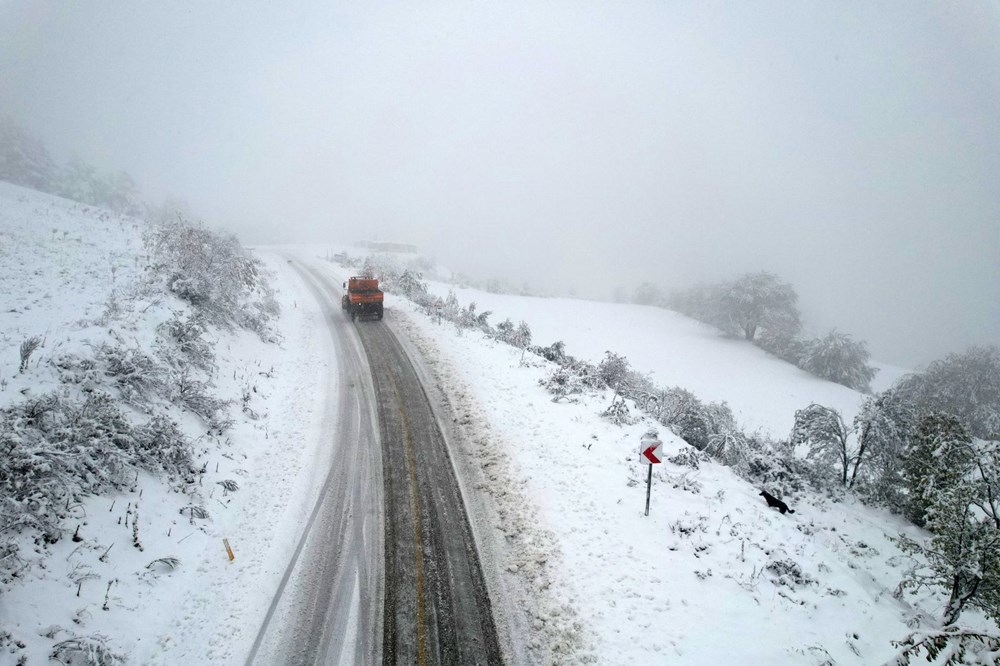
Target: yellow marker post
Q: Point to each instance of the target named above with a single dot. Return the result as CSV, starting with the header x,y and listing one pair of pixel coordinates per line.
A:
x,y
229,550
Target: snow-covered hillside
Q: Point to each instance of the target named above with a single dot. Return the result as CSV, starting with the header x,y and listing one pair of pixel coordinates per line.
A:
x,y
138,574
762,391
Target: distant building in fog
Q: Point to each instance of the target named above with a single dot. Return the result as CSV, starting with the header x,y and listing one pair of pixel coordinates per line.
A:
x,y
386,246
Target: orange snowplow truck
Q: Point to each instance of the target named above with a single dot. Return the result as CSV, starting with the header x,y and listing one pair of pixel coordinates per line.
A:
x,y
363,298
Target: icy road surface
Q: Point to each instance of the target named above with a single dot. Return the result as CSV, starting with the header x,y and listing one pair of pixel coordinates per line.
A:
x,y
327,609
387,564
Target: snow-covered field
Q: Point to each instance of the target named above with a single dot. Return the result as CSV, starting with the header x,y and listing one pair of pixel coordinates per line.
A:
x,y
710,576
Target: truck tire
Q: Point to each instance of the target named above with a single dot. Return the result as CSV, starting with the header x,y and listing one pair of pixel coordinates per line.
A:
x,y
380,313
354,313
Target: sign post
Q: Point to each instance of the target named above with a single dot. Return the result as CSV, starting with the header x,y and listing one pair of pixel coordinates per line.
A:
x,y
650,451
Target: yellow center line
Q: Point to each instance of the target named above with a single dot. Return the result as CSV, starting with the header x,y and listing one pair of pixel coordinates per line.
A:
x,y
412,468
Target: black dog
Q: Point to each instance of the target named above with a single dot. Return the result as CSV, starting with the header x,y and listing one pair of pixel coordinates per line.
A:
x,y
773,501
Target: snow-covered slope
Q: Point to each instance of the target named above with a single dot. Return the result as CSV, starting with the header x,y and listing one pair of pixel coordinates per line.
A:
x,y
712,575
763,391
142,581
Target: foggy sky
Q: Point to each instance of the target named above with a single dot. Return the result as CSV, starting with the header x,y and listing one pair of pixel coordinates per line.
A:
x,y
851,147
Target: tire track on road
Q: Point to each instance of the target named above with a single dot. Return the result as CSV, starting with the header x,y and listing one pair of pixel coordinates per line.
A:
x,y
437,610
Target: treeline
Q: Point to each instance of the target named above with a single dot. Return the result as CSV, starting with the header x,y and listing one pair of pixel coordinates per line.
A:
x,y
763,309
25,161
929,449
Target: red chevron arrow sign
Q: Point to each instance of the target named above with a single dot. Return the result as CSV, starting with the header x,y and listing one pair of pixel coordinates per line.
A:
x,y
651,451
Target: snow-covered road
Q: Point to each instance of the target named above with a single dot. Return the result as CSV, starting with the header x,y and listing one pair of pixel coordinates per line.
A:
x,y
340,599
327,608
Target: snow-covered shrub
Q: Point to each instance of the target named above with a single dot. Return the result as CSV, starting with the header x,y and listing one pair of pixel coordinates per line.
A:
x,y
73,369
56,449
159,444
618,413
86,651
556,352
686,483
770,465
192,393
688,457
959,646
788,573
138,376
614,371
562,383
193,511
688,525
686,416
187,333
519,337
730,447
504,330
213,273
28,348
10,560
469,318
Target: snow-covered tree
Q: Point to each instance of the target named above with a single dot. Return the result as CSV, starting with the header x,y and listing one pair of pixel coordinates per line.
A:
x,y
965,385
614,371
702,302
759,301
80,181
410,284
504,330
839,359
883,427
870,450
955,645
521,337
24,159
783,345
822,430
963,516
647,293
122,194
938,458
